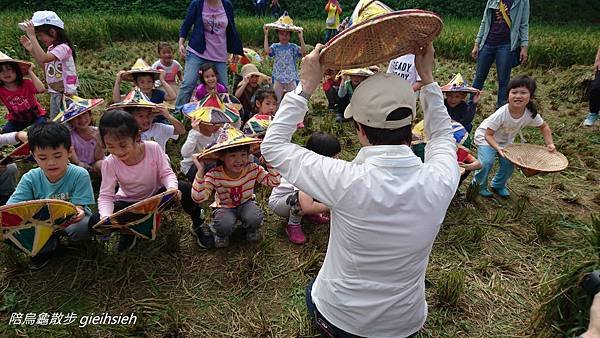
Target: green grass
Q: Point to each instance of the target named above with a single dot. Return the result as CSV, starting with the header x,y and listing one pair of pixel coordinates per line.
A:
x,y
572,44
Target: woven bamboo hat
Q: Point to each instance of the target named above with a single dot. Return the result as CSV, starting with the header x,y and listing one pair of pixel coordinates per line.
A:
x,y
24,66
229,137
141,67
458,84
363,42
284,23
135,99
73,106
534,159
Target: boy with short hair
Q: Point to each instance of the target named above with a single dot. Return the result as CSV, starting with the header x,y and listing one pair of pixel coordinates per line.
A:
x,y
459,109
56,178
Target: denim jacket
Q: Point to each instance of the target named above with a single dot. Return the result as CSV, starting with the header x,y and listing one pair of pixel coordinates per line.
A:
x,y
197,41
519,31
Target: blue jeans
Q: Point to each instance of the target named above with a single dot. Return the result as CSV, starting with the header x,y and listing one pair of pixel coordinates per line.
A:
x,y
329,33
504,61
487,155
11,126
190,77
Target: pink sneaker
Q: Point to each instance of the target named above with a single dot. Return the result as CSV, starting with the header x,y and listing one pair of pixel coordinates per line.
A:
x,y
300,125
295,234
317,219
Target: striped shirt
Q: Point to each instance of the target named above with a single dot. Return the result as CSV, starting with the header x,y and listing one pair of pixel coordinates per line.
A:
x,y
232,192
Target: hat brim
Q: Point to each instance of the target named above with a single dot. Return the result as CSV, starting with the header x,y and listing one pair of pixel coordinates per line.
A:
x,y
281,27
357,72
463,89
211,153
128,75
535,158
24,66
94,103
363,44
127,106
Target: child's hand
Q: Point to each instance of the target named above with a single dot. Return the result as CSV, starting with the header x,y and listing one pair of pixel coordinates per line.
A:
x,y
120,75
21,136
501,152
164,111
300,35
476,97
551,147
29,28
198,163
80,214
266,29
161,75
26,42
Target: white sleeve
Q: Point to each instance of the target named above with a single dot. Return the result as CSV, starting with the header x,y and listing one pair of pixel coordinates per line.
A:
x,y
189,147
537,120
168,131
9,138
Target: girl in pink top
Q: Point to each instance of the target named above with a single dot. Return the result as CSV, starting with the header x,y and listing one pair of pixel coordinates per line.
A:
x,y
209,84
141,169
85,138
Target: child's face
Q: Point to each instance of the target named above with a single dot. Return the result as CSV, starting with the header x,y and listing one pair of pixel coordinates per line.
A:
x,y
144,117
235,162
254,81
53,161
519,97
356,80
268,106
82,121
145,83
284,36
166,56
7,74
210,78
46,39
455,98
122,148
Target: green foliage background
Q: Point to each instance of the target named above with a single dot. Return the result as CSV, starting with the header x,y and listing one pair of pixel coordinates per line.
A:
x,y
542,10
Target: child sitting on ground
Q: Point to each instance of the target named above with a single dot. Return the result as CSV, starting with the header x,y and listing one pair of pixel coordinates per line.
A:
x,y
18,94
171,67
287,201
252,81
351,78
139,168
285,54
208,82
143,77
331,85
265,102
56,178
233,179
144,113
500,129
456,94
9,172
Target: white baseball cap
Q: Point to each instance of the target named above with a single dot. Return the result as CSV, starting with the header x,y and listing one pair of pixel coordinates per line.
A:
x,y
47,18
379,95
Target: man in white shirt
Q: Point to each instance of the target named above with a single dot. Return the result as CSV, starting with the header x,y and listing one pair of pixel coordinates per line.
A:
x,y
386,205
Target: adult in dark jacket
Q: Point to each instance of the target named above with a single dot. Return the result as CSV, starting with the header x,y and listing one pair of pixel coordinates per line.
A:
x,y
213,37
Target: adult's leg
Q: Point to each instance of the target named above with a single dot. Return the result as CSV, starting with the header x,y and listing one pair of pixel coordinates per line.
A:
x,y
595,95
484,63
486,155
190,78
222,70
504,60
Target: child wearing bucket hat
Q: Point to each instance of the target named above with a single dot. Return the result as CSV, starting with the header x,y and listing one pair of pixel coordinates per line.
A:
x,y
456,95
143,77
252,81
285,54
233,180
18,94
58,61
500,129
351,78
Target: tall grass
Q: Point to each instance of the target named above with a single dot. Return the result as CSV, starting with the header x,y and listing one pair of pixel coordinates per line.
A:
x,y
573,44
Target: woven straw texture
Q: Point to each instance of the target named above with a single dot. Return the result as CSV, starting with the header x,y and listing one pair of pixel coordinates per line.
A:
x,y
535,157
381,39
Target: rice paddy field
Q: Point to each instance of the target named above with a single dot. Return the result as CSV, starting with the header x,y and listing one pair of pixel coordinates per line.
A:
x,y
499,267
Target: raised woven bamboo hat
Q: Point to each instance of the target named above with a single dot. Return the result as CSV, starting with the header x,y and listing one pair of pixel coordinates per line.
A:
x,y
284,23
23,65
364,43
534,158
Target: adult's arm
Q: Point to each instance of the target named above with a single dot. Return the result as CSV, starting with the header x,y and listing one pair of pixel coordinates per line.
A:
x,y
187,23
524,26
479,37
597,61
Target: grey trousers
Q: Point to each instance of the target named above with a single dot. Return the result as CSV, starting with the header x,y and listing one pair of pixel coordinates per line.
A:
x,y
224,219
8,180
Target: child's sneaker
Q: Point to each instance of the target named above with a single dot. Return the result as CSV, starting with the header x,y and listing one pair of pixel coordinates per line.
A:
x,y
485,192
590,119
502,191
204,237
126,242
300,125
221,242
317,219
295,234
39,261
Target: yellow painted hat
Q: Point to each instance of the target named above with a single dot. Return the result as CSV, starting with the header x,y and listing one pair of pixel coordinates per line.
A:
x,y
285,23
141,67
229,137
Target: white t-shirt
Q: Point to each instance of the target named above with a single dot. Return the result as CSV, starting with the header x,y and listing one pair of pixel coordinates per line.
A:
x,y
160,133
170,71
505,126
195,143
404,67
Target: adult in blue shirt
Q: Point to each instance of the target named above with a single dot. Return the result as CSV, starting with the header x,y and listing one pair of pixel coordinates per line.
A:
x,y
214,36
504,37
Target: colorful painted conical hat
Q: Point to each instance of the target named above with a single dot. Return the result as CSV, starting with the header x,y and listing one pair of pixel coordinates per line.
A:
x,y
19,153
73,106
257,125
363,42
141,219
232,102
284,23
141,67
212,110
229,137
29,225
23,65
458,84
135,99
